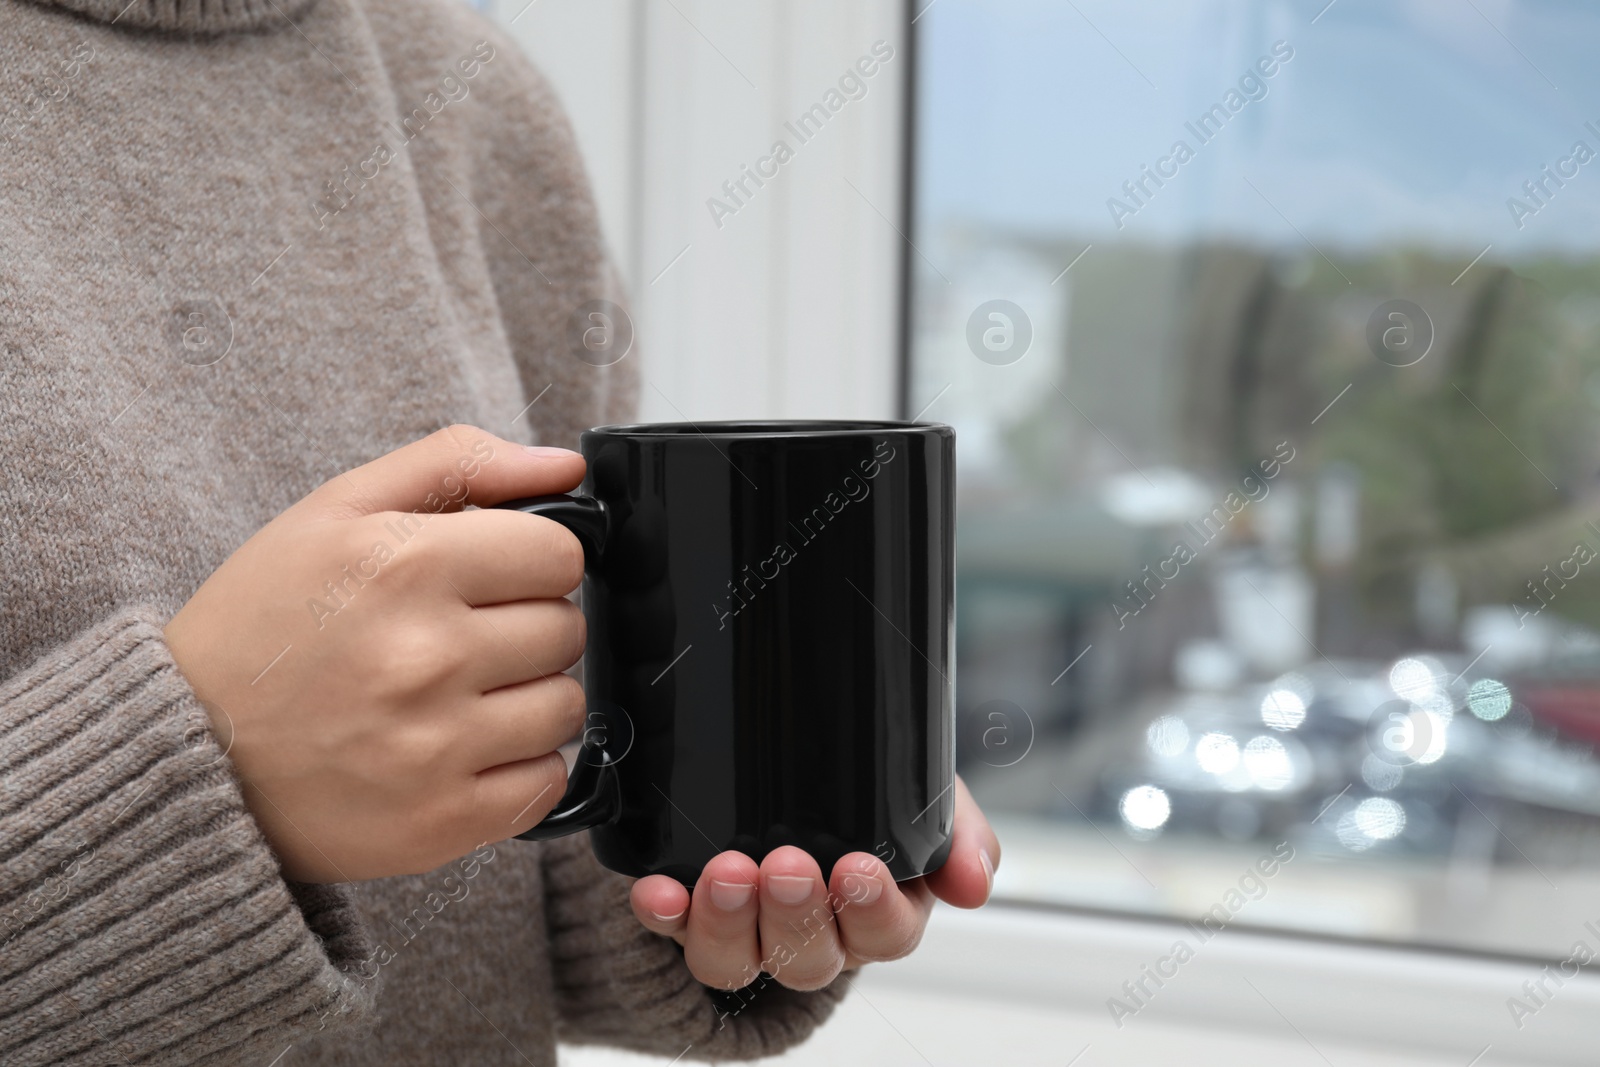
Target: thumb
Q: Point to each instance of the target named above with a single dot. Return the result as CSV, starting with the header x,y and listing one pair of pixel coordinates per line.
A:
x,y
447,470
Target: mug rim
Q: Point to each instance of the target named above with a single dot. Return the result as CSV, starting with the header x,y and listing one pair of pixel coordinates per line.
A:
x,y
752,429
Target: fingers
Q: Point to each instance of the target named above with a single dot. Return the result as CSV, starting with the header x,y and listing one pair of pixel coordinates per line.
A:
x,y
780,918
514,797
967,877
799,942
454,466
722,946
523,722
880,920
493,556
522,642
661,904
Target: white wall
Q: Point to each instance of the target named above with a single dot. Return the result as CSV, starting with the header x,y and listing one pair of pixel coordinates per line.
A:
x,y
790,307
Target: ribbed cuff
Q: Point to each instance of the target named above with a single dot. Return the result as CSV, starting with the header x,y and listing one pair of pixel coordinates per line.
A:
x,y
141,911
619,984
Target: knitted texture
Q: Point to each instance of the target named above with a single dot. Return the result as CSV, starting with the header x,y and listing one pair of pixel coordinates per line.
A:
x,y
246,245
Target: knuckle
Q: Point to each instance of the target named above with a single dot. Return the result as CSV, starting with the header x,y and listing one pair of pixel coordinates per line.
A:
x,y
413,659
562,692
413,561
444,446
572,633
570,703
812,974
555,769
898,951
717,972
352,537
563,557
541,800
895,944
457,435
412,753
907,945
578,622
727,935
703,974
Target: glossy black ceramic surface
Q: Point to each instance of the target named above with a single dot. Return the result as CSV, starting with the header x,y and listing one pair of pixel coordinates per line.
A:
x,y
771,618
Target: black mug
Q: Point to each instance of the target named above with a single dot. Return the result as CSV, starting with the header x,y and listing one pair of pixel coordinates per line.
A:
x,y
770,611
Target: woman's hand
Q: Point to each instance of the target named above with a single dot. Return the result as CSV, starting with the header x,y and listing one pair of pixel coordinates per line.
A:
x,y
385,668
781,918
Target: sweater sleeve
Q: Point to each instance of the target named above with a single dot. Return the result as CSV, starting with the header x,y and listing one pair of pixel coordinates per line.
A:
x,y
619,984
143,917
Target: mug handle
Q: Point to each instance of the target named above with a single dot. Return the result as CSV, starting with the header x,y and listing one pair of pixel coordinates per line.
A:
x,y
593,797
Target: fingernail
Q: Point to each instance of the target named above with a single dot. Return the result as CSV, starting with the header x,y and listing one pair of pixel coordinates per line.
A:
x,y
790,888
731,896
545,452
862,889
660,918
988,869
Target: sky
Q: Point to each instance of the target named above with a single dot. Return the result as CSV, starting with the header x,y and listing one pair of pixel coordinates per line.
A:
x,y
1395,121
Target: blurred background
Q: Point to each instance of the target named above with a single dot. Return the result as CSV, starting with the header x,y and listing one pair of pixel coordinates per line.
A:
x,y
1383,650
1270,331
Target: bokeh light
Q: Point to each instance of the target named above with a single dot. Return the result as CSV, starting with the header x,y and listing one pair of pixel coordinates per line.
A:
x,y
1146,807
1283,709
1268,762
1380,818
1217,753
1413,679
1489,699
1167,736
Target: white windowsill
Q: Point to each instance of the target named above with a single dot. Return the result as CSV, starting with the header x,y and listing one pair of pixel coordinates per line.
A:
x,y
1028,986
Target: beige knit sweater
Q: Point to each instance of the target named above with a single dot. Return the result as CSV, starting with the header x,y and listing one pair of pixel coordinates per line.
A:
x,y
245,245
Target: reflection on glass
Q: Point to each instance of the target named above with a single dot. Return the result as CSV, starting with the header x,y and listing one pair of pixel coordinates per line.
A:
x,y
1273,349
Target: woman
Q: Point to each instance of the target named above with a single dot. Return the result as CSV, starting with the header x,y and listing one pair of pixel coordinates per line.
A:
x,y
275,274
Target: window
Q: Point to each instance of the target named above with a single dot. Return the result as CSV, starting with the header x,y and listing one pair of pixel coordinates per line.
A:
x,y
1271,335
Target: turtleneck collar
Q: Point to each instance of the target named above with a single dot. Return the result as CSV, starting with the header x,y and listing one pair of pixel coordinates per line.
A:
x,y
190,16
